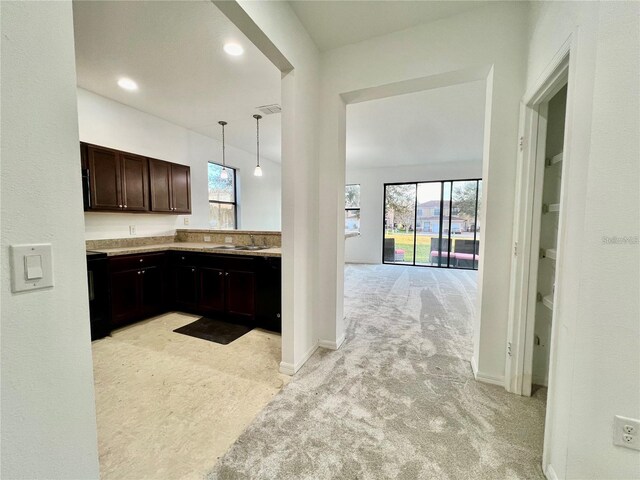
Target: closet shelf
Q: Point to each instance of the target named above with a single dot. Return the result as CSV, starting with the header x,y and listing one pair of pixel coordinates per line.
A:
x,y
551,208
555,159
547,301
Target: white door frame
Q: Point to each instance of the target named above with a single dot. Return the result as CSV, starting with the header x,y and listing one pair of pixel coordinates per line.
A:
x,y
526,234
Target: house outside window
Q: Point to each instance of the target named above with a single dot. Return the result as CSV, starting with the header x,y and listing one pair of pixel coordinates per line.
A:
x,y
352,208
223,203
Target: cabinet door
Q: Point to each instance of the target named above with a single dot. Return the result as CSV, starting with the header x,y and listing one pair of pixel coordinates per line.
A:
x,y
153,298
211,290
186,287
125,296
269,293
135,179
181,188
104,172
240,293
160,181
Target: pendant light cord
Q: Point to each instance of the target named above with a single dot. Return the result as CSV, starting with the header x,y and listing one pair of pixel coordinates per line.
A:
x,y
223,159
223,123
257,117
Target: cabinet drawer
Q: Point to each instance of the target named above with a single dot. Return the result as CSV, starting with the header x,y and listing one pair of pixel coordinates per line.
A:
x,y
131,262
240,263
184,259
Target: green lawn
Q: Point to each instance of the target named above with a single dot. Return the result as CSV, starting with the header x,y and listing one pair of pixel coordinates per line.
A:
x,y
404,241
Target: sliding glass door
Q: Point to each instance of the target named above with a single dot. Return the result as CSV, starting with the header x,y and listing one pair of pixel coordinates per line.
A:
x,y
432,224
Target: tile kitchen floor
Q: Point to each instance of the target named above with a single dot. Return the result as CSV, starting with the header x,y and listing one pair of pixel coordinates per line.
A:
x,y
168,405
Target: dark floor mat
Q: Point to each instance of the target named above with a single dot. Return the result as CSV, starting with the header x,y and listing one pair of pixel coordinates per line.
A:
x,y
214,330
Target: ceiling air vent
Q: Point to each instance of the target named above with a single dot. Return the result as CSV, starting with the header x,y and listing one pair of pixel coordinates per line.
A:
x,y
270,109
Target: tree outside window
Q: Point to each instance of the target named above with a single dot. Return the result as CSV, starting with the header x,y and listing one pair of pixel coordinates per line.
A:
x,y
223,205
352,208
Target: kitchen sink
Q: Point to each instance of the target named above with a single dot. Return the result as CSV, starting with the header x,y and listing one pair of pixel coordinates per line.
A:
x,y
223,247
251,247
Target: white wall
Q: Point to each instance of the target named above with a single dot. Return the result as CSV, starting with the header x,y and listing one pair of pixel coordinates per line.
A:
x,y
48,426
595,363
493,38
367,248
300,227
108,123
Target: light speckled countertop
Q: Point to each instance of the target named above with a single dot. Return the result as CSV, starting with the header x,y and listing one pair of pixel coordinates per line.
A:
x,y
188,247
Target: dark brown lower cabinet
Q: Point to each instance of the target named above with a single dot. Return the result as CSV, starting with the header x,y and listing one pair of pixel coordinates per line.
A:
x,y
125,296
230,287
240,293
212,289
186,287
137,287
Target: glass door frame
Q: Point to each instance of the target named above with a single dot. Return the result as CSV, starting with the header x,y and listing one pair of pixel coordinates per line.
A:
x,y
441,222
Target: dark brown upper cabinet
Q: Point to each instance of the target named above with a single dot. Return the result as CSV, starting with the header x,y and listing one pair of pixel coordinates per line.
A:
x,y
170,187
181,188
121,181
118,180
135,182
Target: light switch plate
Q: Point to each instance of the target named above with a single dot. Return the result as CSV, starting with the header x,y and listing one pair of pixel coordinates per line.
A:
x,y
31,261
186,220
207,238
228,239
132,229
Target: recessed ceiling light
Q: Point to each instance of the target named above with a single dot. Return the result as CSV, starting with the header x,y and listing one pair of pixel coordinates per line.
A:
x,y
233,49
127,84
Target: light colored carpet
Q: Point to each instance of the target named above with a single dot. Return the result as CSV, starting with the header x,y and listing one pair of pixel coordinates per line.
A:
x,y
398,400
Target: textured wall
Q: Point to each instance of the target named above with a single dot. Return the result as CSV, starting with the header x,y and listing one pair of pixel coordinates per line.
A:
x,y
595,363
48,414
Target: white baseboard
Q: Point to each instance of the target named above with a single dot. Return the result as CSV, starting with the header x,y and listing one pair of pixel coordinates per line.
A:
x,y
486,378
550,473
287,368
330,344
290,369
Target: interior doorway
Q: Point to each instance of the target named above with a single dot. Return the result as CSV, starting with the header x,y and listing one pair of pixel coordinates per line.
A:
x,y
538,230
544,270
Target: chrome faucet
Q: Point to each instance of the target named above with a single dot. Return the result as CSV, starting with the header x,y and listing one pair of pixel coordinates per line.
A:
x,y
253,240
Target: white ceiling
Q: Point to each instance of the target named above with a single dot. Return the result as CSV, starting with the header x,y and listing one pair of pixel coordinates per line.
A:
x,y
333,24
440,125
173,50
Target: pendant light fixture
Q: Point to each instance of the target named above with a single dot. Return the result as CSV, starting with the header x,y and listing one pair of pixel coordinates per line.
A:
x,y
258,171
223,174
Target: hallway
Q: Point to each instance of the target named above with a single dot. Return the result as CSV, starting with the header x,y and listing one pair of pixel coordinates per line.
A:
x,y
398,400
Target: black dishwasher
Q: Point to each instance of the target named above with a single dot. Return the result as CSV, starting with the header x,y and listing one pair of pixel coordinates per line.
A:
x,y
98,278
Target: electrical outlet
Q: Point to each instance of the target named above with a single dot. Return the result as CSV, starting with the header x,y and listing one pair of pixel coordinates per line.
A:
x,y
228,239
186,220
132,229
625,432
207,238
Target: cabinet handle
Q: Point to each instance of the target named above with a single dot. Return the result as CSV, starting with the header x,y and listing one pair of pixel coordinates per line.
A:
x,y
125,206
181,258
141,259
139,272
219,273
277,315
193,269
226,274
120,205
143,271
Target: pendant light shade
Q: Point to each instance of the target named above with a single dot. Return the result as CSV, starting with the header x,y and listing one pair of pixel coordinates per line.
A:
x,y
223,174
258,170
